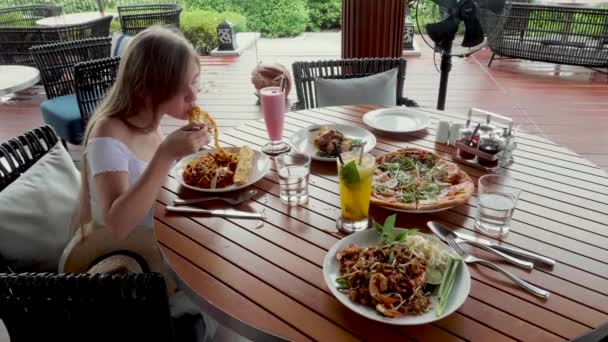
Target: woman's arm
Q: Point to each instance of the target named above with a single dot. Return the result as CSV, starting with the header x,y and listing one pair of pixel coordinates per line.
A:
x,y
124,207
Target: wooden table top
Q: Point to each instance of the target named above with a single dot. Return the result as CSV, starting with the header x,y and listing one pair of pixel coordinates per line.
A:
x,y
265,279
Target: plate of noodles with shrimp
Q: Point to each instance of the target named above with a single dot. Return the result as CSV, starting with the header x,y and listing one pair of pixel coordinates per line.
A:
x,y
220,169
396,276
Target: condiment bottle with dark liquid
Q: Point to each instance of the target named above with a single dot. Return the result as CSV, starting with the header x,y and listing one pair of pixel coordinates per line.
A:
x,y
490,144
465,135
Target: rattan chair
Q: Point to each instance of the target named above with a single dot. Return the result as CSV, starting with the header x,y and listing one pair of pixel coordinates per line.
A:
x,y
20,153
15,42
56,64
93,80
85,307
136,18
554,34
27,15
305,73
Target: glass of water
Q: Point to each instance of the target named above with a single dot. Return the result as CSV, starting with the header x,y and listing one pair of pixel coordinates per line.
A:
x,y
293,169
497,198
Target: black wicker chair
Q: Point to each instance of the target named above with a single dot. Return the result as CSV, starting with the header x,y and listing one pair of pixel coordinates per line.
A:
x,y
554,34
27,15
136,18
23,151
93,80
56,64
15,42
304,74
85,307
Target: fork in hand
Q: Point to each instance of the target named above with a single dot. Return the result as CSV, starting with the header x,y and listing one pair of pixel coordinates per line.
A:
x,y
469,259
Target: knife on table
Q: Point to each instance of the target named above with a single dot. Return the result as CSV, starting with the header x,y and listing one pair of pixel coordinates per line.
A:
x,y
516,252
217,212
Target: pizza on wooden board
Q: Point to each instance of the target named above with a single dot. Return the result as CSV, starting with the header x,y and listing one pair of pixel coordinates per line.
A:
x,y
415,179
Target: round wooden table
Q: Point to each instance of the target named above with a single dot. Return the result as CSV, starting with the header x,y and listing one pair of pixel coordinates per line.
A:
x,y
264,279
72,18
16,78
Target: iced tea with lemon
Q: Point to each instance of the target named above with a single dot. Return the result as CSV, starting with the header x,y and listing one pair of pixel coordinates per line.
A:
x,y
355,190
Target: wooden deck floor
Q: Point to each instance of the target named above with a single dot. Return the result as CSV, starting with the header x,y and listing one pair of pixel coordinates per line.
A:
x,y
565,104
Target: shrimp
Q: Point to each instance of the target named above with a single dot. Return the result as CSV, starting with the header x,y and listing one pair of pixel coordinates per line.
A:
x,y
387,311
377,284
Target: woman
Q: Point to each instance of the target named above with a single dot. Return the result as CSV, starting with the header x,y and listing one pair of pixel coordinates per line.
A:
x,y
126,159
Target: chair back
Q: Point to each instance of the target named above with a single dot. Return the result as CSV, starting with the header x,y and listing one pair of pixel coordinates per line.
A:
x,y
93,80
85,307
305,73
56,62
27,15
20,153
136,18
15,41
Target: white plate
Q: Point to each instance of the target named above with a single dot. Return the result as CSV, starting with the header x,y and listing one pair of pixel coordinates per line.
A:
x,y
301,141
261,166
368,238
418,211
397,120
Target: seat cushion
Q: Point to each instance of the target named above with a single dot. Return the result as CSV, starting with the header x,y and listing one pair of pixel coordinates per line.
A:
x,y
379,89
36,210
63,114
120,41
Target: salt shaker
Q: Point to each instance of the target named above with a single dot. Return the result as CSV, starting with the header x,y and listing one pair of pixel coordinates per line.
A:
x,y
455,133
443,132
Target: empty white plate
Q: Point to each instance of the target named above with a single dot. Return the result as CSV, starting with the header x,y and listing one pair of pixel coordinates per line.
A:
x,y
396,120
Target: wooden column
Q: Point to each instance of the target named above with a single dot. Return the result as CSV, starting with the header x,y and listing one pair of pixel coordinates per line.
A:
x,y
372,28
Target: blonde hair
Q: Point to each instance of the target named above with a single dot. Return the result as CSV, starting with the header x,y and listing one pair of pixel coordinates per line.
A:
x,y
151,71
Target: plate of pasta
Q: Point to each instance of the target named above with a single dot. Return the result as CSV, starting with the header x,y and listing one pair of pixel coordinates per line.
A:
x,y
220,169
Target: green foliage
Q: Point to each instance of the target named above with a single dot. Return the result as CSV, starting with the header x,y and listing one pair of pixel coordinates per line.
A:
x,y
216,5
324,14
199,27
278,18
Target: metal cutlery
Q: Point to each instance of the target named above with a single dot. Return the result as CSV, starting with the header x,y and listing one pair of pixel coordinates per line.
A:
x,y
242,197
537,259
217,212
443,232
516,252
469,259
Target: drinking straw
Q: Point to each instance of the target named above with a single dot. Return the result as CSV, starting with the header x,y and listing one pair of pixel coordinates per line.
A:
x,y
337,147
361,152
282,83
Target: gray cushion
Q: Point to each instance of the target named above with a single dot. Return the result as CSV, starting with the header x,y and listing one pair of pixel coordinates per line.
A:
x,y
120,41
379,89
36,211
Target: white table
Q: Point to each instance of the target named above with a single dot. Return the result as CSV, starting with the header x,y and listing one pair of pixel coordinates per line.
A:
x,y
72,18
16,78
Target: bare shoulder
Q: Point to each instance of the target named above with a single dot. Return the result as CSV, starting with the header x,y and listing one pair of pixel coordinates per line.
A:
x,y
111,128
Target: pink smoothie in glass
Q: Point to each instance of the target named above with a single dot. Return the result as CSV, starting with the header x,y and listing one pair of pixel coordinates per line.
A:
x,y
273,106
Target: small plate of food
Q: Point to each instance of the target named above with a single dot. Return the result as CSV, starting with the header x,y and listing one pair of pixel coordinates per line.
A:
x,y
220,169
317,140
396,276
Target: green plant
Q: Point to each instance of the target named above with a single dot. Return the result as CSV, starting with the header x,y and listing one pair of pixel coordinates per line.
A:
x,y
278,18
216,5
324,14
199,27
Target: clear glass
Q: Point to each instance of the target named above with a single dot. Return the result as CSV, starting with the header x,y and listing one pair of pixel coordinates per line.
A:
x,y
497,199
355,191
294,170
273,107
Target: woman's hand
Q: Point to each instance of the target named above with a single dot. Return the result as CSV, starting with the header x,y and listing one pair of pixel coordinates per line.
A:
x,y
184,141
